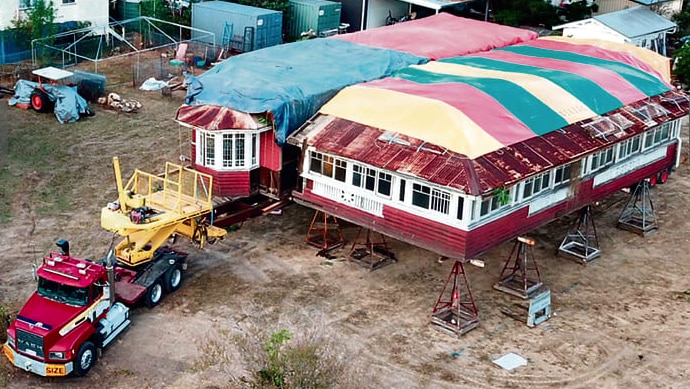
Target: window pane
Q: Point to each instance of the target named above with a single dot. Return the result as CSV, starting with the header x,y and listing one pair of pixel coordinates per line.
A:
x,y
566,173
420,195
385,181
340,170
527,192
210,150
370,183
315,165
461,205
402,191
635,144
254,148
327,166
485,207
357,176
227,150
440,201
546,181
239,149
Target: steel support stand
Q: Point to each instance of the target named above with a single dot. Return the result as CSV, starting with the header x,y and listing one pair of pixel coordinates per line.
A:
x,y
369,253
324,232
520,275
639,215
581,242
455,311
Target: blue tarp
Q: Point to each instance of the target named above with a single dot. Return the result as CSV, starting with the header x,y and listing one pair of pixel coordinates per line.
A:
x,y
69,106
293,81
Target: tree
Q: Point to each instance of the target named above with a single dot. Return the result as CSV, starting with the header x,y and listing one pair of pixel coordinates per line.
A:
x,y
681,63
38,23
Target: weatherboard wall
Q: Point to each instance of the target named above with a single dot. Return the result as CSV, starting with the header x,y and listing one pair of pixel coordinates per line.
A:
x,y
454,242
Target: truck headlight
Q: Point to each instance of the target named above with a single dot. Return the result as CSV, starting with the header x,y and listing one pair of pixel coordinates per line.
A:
x,y
57,355
10,342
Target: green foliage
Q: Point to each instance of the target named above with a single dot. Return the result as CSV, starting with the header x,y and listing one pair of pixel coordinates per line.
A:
x,y
38,23
681,60
502,194
274,373
539,12
682,19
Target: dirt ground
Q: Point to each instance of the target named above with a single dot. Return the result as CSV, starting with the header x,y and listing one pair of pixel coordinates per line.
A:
x,y
619,322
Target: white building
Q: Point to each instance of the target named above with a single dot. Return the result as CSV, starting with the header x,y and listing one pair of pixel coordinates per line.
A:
x,y
93,11
638,26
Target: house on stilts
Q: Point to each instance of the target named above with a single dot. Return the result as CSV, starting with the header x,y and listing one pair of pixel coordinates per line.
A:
x,y
241,111
464,153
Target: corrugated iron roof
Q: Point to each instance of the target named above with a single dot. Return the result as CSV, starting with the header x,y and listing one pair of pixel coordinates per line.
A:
x,y
505,166
213,117
634,22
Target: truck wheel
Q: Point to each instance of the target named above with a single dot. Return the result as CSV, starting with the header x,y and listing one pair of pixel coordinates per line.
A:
x,y
86,358
40,101
173,279
154,294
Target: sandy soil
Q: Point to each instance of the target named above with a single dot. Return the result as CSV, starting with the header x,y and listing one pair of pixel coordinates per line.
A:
x,y
619,322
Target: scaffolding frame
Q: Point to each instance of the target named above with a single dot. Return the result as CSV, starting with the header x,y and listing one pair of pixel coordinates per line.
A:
x,y
111,34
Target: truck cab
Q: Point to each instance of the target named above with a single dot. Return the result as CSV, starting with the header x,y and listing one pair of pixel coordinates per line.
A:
x,y
69,316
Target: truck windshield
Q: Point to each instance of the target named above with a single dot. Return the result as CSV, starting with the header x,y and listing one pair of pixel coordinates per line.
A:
x,y
63,293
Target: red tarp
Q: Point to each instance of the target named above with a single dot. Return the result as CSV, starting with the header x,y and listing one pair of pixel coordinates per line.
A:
x,y
441,36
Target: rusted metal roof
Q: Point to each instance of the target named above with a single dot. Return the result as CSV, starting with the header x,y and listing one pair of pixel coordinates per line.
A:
x,y
213,117
505,166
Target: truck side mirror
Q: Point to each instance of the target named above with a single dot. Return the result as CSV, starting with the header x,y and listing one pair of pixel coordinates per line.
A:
x,y
34,270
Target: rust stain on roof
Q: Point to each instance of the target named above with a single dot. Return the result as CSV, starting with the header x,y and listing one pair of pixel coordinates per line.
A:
x,y
506,166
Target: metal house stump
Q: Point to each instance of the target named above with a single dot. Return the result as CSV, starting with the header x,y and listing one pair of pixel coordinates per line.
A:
x,y
639,216
520,275
371,254
324,232
455,311
581,242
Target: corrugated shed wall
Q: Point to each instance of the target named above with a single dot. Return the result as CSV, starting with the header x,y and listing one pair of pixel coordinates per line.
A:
x,y
270,151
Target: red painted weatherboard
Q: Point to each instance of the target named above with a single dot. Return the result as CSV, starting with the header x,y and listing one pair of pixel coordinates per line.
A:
x,y
234,184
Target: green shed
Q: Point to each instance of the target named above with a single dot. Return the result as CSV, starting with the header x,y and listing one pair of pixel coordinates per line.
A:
x,y
322,17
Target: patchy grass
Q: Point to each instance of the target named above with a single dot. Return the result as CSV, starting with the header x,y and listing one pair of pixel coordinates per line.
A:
x,y
55,168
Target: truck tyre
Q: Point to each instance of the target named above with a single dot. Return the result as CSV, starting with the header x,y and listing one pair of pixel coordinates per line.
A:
x,y
40,101
86,358
173,279
154,294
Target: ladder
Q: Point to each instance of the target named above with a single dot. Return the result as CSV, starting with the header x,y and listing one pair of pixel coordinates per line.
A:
x,y
226,39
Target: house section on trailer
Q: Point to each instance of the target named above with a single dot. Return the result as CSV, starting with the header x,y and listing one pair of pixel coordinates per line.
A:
x,y
94,11
638,26
241,111
462,154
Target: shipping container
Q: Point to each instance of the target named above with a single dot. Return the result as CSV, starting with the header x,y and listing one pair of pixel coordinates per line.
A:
x,y
251,28
321,17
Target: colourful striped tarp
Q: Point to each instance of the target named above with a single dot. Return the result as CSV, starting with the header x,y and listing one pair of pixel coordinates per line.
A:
x,y
479,103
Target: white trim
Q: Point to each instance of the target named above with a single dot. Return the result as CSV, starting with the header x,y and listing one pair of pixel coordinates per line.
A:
x,y
218,157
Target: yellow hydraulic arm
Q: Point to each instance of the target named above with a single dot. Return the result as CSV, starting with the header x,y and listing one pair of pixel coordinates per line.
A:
x,y
150,209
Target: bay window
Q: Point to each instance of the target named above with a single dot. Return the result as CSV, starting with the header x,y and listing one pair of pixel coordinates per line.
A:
x,y
227,150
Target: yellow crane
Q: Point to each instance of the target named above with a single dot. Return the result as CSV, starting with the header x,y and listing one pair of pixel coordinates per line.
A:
x,y
151,209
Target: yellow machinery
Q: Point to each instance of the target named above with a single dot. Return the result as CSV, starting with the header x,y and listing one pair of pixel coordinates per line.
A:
x,y
152,209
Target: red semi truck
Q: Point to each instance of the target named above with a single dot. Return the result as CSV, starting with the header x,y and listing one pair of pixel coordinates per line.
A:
x,y
80,306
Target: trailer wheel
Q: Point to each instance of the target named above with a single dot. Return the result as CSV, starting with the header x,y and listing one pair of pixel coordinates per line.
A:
x,y
40,101
173,279
86,358
154,294
663,177
652,181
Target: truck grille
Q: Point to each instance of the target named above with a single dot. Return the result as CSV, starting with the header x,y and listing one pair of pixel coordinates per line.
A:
x,y
30,343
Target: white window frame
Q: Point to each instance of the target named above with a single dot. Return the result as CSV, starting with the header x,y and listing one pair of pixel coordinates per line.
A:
x,y
218,157
629,147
